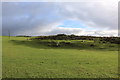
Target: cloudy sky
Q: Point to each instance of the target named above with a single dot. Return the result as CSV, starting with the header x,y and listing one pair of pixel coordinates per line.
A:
x,y
50,18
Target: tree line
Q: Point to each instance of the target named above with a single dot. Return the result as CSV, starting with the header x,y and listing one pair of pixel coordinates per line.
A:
x,y
115,40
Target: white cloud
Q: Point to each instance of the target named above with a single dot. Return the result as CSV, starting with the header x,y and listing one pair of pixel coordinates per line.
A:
x,y
93,14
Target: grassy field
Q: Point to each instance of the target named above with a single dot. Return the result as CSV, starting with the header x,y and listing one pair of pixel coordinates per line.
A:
x,y
24,58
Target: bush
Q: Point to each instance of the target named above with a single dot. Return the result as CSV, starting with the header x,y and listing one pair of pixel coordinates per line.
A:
x,y
92,45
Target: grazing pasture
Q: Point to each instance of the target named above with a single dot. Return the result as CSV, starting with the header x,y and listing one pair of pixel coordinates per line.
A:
x,y
24,58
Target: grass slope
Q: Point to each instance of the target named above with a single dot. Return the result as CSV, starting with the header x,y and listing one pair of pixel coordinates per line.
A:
x,y
28,59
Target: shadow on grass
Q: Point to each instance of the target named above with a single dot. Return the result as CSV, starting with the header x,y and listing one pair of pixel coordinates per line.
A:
x,y
41,44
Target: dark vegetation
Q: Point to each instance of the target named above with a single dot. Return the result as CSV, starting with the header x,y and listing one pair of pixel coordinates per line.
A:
x,y
115,40
22,36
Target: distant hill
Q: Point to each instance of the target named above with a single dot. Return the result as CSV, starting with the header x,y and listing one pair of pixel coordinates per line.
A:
x,y
75,37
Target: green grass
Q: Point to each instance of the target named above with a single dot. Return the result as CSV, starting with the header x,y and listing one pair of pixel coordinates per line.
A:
x,y
35,59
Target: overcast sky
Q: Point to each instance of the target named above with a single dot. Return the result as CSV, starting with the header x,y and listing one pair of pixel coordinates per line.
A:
x,y
50,18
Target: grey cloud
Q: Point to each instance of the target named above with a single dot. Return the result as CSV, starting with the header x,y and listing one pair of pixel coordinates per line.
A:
x,y
23,17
